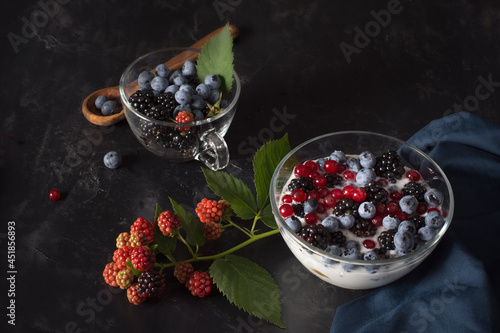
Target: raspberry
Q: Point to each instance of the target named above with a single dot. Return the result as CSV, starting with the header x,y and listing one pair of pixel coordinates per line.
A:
x,y
123,240
199,284
138,238
182,271
109,274
167,222
182,118
209,210
122,255
133,296
125,278
144,225
150,284
142,258
212,230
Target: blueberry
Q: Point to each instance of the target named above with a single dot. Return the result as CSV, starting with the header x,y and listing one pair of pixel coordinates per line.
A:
x,y
433,197
434,220
367,210
159,84
162,70
403,241
365,175
352,253
331,223
187,88
173,75
145,78
109,107
352,244
203,90
371,255
426,233
310,205
214,96
353,164
390,222
100,100
367,159
179,80
334,249
112,160
408,204
197,102
400,253
172,89
224,103
294,223
407,226
182,97
198,115
188,68
321,163
180,108
213,81
346,221
338,156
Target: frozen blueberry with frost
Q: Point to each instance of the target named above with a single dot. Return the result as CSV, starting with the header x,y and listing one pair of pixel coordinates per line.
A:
x,y
109,107
310,205
112,160
426,233
366,159
408,204
407,226
403,241
390,222
338,156
433,197
434,220
162,70
188,68
346,221
353,164
100,100
213,81
365,175
159,83
331,223
145,79
367,210
294,223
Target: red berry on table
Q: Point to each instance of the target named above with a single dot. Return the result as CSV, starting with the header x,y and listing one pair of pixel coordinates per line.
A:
x,y
110,272
331,166
142,259
168,221
199,284
54,195
182,271
212,230
413,175
133,296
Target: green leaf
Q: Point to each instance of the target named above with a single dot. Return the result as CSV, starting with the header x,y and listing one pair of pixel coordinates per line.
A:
x,y
193,229
136,272
248,286
265,161
268,218
234,191
217,57
164,244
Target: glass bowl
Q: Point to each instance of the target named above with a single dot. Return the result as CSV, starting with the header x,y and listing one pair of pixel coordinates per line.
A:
x,y
354,273
205,141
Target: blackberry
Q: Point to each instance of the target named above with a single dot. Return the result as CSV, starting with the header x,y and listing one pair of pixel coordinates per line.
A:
x,y
375,192
414,189
338,238
419,221
346,206
363,228
316,235
158,112
168,101
142,100
304,183
298,209
386,240
150,283
389,166
176,140
332,180
151,131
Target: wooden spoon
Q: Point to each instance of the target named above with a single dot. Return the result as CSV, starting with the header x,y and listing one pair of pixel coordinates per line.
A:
x,y
95,116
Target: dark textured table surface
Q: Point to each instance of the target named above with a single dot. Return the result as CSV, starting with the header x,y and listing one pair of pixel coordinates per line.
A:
x,y
307,68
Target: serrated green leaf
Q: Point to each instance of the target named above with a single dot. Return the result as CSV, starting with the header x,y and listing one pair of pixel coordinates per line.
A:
x,y
158,211
217,57
234,191
268,218
164,244
136,272
248,286
265,161
193,229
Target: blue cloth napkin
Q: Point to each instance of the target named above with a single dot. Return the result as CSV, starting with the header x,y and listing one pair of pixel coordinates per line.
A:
x,y
457,288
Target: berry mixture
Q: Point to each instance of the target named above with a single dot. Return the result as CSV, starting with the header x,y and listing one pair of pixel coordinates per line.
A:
x,y
364,207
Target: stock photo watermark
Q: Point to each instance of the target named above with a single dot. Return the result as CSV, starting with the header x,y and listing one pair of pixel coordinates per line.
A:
x,y
372,29
11,272
38,18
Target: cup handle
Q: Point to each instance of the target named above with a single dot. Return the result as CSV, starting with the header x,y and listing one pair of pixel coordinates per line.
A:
x,y
213,151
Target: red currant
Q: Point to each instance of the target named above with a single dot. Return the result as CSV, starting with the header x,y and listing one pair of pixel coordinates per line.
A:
x,y
323,192
359,195
313,174
331,166
341,168
413,175
402,216
311,165
299,195
301,171
329,201
392,208
287,198
313,195
369,244
349,175
337,194
348,191
319,181
321,208
377,220
395,195
380,209
54,194
383,182
421,208
434,209
286,210
311,218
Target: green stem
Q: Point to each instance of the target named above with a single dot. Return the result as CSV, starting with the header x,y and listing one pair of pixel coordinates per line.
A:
x,y
179,236
244,230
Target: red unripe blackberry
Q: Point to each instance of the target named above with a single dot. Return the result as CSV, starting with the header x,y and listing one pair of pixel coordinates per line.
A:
x,y
199,284
110,272
182,118
123,239
182,271
210,210
142,258
133,297
125,278
138,238
168,221
212,230
122,255
144,225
